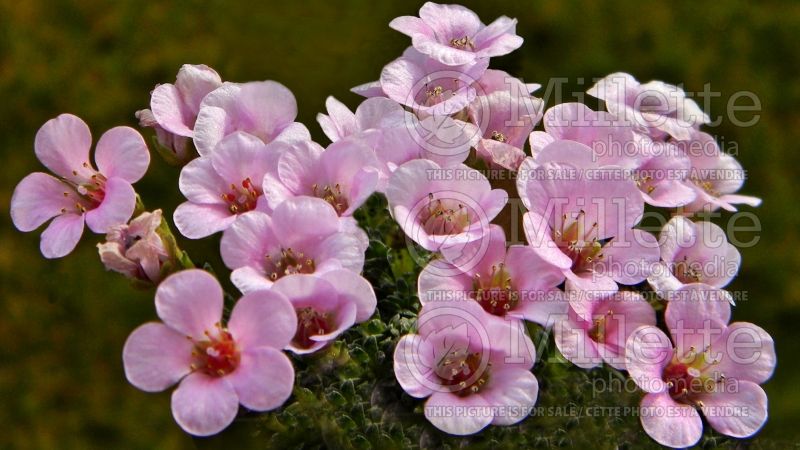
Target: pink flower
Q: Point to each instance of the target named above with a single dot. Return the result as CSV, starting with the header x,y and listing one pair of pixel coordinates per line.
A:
x,y
714,176
580,218
136,249
662,175
693,252
395,134
101,197
327,305
265,109
223,185
514,283
474,370
302,235
174,107
713,368
217,367
611,141
454,35
656,108
344,175
505,113
601,338
176,145
429,87
442,207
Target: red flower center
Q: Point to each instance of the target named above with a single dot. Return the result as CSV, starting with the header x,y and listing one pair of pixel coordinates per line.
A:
x,y
311,322
242,198
463,372
288,262
217,355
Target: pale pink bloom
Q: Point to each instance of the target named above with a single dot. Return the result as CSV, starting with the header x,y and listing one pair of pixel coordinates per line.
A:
x,y
693,252
611,141
265,109
327,305
442,207
713,368
223,185
580,218
454,35
662,174
601,337
344,175
217,367
395,134
474,370
429,87
136,250
715,176
507,283
656,108
101,197
302,235
177,145
658,168
505,114
174,107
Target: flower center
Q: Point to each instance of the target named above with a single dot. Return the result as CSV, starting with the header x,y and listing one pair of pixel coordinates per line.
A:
x,y
645,183
689,375
462,43
498,136
242,198
86,195
687,272
495,293
599,327
444,217
578,242
288,262
706,185
332,195
311,322
217,355
461,371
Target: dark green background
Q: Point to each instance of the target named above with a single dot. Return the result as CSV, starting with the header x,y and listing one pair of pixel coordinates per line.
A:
x,y
64,322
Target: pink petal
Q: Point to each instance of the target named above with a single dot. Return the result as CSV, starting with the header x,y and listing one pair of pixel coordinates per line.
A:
x,y
248,279
629,258
264,379
574,343
297,166
190,302
38,198
241,156
62,145
263,319
356,289
204,405
247,240
61,236
456,415
747,353
696,315
514,392
194,82
196,221
270,105
412,371
647,351
450,21
121,152
340,250
537,232
213,121
199,182
369,90
156,357
340,123
117,206
170,111
410,25
670,423
299,218
739,413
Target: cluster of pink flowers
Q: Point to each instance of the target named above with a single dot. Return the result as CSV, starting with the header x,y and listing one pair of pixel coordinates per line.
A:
x,y
432,136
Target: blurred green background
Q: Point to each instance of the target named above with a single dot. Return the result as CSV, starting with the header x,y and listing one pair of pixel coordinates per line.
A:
x,y
64,322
